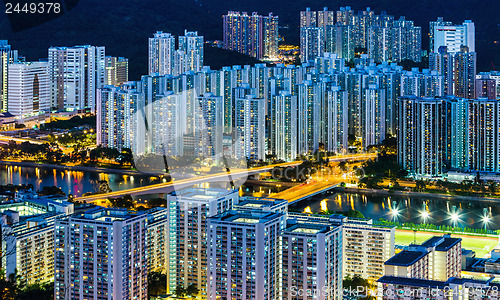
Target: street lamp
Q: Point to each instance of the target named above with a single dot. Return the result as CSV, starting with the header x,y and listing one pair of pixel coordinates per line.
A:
x,y
455,218
486,218
425,215
394,211
395,214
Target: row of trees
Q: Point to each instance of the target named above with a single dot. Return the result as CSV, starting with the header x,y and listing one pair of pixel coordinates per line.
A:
x,y
429,226
15,289
128,202
351,213
76,121
157,285
51,153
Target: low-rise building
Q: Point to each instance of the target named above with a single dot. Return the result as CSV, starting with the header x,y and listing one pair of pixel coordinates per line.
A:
x,y
390,287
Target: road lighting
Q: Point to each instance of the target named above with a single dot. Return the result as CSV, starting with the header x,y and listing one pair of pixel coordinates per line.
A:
x,y
455,218
486,218
425,215
395,214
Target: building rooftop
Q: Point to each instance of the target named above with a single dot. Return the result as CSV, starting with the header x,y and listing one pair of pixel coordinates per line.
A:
x,y
405,258
307,228
251,203
249,217
411,282
202,194
102,214
442,243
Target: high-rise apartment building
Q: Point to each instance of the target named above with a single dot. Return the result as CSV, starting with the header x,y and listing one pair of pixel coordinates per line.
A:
x,y
464,71
254,35
421,135
192,45
249,121
270,32
313,42
76,73
313,28
101,254
161,54
158,241
422,84
189,236
340,40
311,259
385,38
309,101
285,109
458,70
486,87
454,37
484,134
116,70
29,90
434,24
322,18
373,118
7,56
120,123
442,62
336,121
210,124
244,255
459,133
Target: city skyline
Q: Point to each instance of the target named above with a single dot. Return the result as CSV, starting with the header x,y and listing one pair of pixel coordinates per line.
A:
x,y
358,160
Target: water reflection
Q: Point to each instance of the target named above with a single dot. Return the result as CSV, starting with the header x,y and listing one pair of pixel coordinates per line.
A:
x,y
412,209
71,182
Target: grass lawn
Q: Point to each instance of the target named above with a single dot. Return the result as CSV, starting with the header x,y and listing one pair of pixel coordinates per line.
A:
x,y
478,244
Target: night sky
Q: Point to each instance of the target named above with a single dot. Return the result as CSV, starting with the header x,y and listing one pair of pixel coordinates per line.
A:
x,y
124,26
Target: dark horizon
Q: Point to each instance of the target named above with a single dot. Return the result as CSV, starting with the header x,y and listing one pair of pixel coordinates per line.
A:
x,y
124,27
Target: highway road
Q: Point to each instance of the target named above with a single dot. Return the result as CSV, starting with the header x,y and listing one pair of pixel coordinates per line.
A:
x,y
224,176
20,140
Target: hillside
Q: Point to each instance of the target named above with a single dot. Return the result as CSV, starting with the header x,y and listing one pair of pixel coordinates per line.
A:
x,y
124,26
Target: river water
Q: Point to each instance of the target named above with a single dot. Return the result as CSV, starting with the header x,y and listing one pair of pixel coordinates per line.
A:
x,y
71,182
410,209
371,206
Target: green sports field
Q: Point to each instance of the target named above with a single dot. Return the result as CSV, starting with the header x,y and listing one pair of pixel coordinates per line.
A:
x,y
478,244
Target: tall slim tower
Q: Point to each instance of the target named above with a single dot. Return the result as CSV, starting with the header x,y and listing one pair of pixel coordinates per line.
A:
x,y
464,73
7,56
192,45
116,70
421,136
311,259
271,37
161,53
253,35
